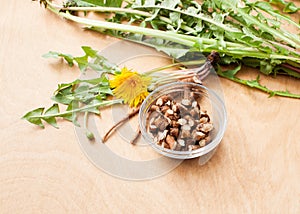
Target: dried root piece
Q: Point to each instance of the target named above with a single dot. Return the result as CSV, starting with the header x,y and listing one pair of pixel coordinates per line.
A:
x,y
179,124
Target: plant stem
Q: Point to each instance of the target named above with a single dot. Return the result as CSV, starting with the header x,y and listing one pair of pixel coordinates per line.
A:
x,y
138,132
261,88
195,62
102,104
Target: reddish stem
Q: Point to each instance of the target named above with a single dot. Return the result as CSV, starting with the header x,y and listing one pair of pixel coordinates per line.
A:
x,y
285,65
114,127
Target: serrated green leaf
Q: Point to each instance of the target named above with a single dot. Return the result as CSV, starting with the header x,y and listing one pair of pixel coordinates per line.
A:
x,y
51,54
171,49
151,19
69,58
113,3
33,117
96,62
226,5
277,2
227,60
290,8
105,90
254,63
89,51
82,62
193,10
94,110
170,3
63,86
199,26
81,88
62,94
72,117
95,81
266,67
229,73
175,17
263,5
274,23
54,109
148,3
254,83
267,35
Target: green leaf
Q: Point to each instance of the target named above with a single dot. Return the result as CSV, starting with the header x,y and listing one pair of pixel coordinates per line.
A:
x,y
95,81
175,17
72,117
289,7
48,115
69,58
105,90
169,48
82,62
263,5
63,92
113,3
254,63
226,5
33,117
254,83
153,22
148,3
229,73
90,59
51,54
94,110
82,90
170,3
89,51
267,66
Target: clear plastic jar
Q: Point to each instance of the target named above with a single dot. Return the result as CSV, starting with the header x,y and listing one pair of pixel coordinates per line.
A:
x,y
209,101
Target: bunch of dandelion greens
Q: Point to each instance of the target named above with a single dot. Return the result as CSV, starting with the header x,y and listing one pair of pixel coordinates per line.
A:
x,y
241,31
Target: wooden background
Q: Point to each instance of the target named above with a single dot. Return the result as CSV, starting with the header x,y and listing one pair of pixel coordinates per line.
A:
x,y
255,170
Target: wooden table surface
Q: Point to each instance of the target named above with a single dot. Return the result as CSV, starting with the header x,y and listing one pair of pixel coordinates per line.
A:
x,y
255,170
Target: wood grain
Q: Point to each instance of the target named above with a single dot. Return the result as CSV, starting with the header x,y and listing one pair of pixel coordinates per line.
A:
x,y
255,170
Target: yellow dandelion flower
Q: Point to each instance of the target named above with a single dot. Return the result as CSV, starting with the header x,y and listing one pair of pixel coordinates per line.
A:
x,y
130,86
